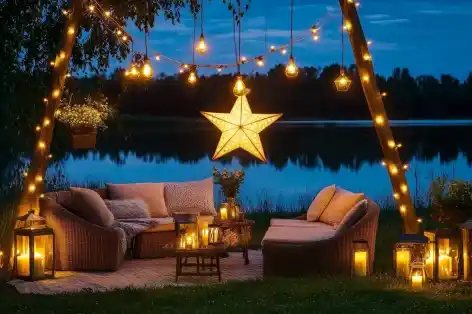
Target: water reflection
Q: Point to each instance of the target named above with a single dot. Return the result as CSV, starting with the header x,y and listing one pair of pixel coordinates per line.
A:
x,y
302,158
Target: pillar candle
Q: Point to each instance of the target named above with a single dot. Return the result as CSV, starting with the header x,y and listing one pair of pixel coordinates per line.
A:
x,y
360,263
403,263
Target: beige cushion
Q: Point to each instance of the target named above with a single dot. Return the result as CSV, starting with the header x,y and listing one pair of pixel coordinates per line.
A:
x,y
127,209
320,202
298,235
167,224
88,205
341,203
276,222
151,193
352,217
193,196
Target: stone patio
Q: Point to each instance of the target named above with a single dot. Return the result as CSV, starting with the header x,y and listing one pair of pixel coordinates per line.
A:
x,y
149,273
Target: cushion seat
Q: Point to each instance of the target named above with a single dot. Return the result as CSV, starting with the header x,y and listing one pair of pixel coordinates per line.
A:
x,y
167,223
298,235
277,222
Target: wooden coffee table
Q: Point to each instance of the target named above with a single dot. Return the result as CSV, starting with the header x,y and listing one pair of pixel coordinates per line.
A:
x,y
243,229
206,261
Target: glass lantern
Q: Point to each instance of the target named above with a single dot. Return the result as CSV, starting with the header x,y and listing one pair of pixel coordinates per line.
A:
x,y
466,234
410,248
445,259
224,211
215,234
33,245
360,258
417,275
187,231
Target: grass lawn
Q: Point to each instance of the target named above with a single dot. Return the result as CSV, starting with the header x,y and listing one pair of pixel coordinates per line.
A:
x,y
380,294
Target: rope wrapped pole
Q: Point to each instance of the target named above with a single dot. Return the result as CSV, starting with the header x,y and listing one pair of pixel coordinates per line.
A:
x,y
377,109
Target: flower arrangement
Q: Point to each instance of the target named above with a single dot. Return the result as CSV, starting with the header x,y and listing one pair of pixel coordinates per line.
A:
x,y
93,113
451,201
229,181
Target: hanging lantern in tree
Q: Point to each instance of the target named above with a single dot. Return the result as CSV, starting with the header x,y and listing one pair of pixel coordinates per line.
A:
x,y
342,83
360,258
34,248
443,263
410,248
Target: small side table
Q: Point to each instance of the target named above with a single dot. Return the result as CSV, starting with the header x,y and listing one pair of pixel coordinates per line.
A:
x,y
202,266
243,229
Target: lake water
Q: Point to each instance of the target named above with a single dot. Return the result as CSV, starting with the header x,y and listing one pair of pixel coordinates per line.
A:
x,y
303,157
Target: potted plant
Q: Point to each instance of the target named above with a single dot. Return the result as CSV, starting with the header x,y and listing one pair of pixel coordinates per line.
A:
x,y
451,201
230,183
85,119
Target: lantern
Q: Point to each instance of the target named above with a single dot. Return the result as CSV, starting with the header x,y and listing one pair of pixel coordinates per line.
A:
x,y
360,258
34,248
417,275
410,248
444,254
342,83
466,234
215,234
224,211
204,234
186,230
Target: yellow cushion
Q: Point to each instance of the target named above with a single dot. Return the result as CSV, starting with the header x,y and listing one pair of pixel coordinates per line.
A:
x,y
320,203
339,206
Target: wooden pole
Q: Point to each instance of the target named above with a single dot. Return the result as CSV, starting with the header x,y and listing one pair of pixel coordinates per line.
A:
x,y
34,181
373,96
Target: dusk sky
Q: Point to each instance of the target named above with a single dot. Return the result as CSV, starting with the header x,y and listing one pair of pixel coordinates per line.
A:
x,y
428,37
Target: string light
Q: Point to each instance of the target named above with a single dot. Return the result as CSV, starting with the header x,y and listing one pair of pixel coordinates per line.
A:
x,y
379,120
41,195
31,187
158,57
25,174
369,42
358,4
391,144
124,38
243,59
65,12
404,188
367,57
347,26
384,94
186,66
405,167
107,13
52,63
219,68
71,30
147,69
91,8
45,100
202,47
403,209
192,78
365,78
41,145
393,169
181,69
383,163
283,50
239,88
46,122
342,83
68,75
50,156
38,128
55,93
38,178
273,48
62,55
419,220
291,70
396,196
314,33
260,61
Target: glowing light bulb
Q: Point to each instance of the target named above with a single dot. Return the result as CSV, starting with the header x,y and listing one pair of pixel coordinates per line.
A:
x,y
181,70
55,93
158,57
71,30
379,120
365,78
419,220
243,59
31,188
391,144
25,174
134,70
384,94
383,163
405,167
68,75
404,188
49,156
403,209
91,8
393,169
314,30
202,47
283,50
107,13
41,195
126,73
45,100
147,69
52,63
38,178
62,55
347,26
239,87
358,4
350,1
119,32
41,145
342,83
219,68
396,196
192,78
367,57
46,122
124,38
291,70
185,66
38,128
273,48
316,37
65,12
369,42
260,61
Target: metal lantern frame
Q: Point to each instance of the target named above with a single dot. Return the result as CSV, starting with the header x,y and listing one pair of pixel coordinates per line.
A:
x,y
360,265
186,223
447,245
417,274
414,247
33,233
466,249
215,234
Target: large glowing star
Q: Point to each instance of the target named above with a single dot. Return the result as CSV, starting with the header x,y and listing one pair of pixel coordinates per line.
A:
x,y
240,129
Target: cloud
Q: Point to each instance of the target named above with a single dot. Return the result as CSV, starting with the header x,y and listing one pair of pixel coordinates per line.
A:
x,y
376,16
259,33
433,12
389,22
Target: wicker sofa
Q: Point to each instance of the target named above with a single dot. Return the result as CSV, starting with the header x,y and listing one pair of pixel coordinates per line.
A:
x,y
300,248
82,245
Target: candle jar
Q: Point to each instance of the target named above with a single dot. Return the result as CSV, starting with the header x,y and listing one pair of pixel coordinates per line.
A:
x,y
360,258
33,247
204,235
215,234
187,230
224,211
417,275
410,247
447,254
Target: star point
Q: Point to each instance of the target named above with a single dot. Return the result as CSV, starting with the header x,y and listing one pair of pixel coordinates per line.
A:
x,y
240,129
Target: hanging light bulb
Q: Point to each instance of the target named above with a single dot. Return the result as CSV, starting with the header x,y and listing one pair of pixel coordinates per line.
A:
x,y
158,57
134,70
283,50
147,69
260,61
239,87
202,47
342,83
314,32
91,8
219,69
192,77
273,48
243,59
291,70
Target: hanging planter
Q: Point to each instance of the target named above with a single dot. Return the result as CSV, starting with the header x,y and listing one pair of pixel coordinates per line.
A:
x,y
85,119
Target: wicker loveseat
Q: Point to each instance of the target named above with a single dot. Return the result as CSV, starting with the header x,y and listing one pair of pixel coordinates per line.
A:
x,y
290,248
82,245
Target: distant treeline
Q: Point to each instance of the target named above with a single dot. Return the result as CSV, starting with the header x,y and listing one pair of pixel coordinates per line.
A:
x,y
310,95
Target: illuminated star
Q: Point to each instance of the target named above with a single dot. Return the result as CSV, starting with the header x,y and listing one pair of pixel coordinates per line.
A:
x,y
240,129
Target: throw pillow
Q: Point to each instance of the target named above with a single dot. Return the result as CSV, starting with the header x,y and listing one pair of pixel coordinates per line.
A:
x,y
194,195
340,204
88,205
320,202
353,216
151,193
128,209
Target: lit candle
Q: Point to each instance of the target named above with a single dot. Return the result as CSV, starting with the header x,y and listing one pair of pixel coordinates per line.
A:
x,y
360,263
403,262
445,261
23,265
417,280
205,236
189,242
224,212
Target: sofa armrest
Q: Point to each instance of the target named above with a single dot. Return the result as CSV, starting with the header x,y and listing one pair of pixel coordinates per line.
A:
x,y
301,217
81,245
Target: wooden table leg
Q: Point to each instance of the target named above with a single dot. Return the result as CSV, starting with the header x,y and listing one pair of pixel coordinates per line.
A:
x,y
218,269
177,268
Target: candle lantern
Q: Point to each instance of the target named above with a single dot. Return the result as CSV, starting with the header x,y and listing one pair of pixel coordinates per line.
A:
x,y
224,211
360,258
187,231
410,248
417,275
34,248
215,234
443,261
466,242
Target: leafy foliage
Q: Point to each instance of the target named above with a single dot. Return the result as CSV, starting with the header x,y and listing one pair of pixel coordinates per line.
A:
x,y
452,200
229,181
